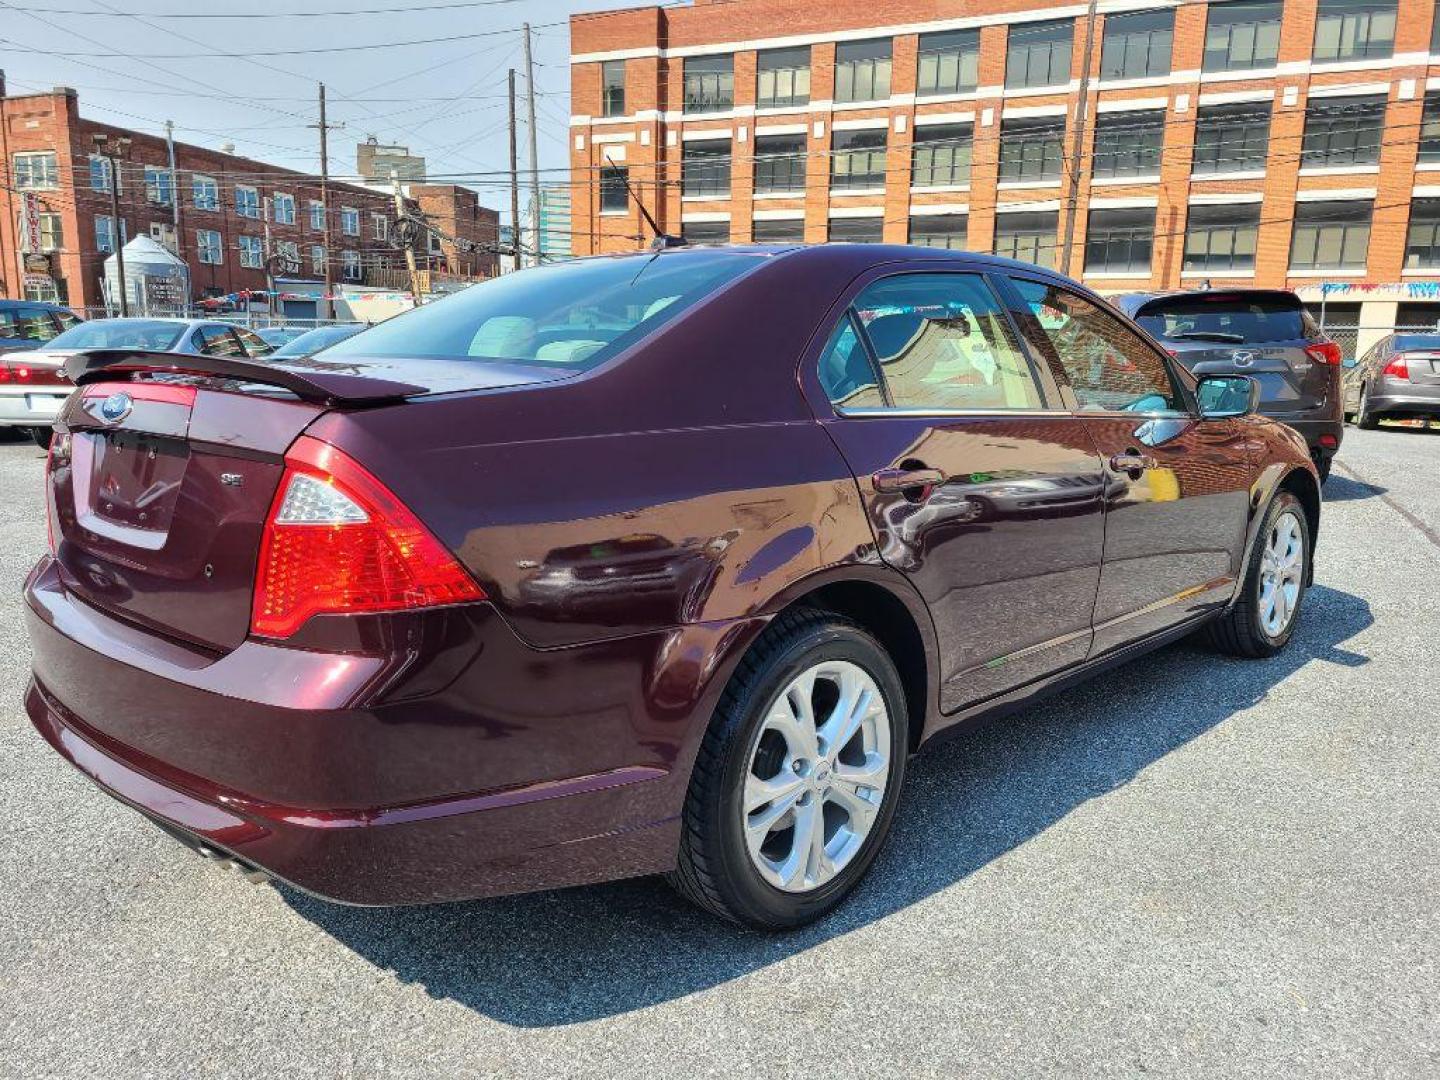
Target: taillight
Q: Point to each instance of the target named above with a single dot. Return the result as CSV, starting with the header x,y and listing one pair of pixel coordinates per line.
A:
x,y
58,454
1398,367
1324,352
337,541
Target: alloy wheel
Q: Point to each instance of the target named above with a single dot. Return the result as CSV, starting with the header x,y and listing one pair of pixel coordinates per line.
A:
x,y
816,777
1282,564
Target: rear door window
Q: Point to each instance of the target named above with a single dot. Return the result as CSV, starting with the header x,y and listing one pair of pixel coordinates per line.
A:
x,y
1109,365
37,324
254,344
217,341
942,342
1235,320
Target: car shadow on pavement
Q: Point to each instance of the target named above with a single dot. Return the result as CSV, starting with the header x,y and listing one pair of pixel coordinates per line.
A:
x,y
581,954
1341,488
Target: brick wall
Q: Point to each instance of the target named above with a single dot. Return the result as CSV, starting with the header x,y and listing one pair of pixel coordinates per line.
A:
x,y
655,42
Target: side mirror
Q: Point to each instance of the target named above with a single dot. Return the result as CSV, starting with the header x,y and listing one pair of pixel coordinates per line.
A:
x,y
1350,362
1223,396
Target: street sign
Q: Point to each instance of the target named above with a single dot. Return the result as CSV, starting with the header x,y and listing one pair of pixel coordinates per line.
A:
x,y
29,223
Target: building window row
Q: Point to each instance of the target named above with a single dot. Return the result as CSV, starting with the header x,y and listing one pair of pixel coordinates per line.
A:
x,y
1242,35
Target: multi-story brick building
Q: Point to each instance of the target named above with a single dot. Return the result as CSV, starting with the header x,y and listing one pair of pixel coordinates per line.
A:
x,y
1267,142
226,205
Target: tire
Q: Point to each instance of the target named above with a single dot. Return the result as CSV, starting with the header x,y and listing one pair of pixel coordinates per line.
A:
x,y
1322,466
717,868
1364,419
41,437
1245,630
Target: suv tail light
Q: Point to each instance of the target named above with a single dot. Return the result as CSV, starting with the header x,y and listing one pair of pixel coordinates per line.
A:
x,y
1398,367
1324,352
337,541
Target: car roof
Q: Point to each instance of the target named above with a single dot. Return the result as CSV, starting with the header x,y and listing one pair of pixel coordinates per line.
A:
x,y
8,304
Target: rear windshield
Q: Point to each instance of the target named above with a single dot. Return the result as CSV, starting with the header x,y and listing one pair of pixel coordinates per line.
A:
x,y
121,334
571,315
1243,320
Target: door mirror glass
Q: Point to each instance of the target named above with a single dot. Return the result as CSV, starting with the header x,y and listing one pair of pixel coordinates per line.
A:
x,y
1227,395
1350,362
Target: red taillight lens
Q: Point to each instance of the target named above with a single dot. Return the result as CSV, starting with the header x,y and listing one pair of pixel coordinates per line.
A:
x,y
337,541
57,455
1325,352
1398,367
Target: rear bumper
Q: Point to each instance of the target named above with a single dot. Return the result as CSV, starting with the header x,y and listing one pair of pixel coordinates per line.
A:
x,y
362,796
37,407
1322,436
1405,397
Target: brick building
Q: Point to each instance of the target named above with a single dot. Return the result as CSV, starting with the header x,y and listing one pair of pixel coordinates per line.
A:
x,y
1268,142
456,212
225,205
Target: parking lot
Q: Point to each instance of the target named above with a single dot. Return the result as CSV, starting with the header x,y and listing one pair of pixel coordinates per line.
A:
x,y
1195,865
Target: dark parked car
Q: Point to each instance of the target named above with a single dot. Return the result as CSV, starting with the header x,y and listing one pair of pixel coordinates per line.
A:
x,y
643,564
1397,378
312,341
1264,333
276,336
28,391
49,386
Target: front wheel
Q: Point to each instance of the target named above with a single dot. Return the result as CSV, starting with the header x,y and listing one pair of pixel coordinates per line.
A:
x,y
796,782
1263,619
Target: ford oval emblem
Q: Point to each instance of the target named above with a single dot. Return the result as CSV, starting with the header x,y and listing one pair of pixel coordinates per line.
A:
x,y
116,407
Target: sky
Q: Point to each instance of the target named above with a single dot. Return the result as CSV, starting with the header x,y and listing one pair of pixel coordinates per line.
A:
x,y
215,69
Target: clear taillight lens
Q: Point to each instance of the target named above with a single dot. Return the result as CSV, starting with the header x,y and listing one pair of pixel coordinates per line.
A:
x,y
337,541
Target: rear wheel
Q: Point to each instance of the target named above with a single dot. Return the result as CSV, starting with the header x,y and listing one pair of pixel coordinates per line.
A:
x,y
1364,418
1262,620
796,782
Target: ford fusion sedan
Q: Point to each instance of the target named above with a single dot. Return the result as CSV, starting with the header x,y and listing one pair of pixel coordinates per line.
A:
x,y
25,387
652,564
1398,378
32,395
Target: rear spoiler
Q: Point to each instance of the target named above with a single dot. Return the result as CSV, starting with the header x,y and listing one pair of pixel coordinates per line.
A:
x,y
310,383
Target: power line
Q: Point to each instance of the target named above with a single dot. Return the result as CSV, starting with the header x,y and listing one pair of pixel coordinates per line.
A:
x,y
251,15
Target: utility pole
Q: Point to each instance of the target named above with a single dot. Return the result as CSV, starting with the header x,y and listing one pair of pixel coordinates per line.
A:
x,y
534,154
1072,197
174,190
269,274
327,306
514,179
406,235
111,152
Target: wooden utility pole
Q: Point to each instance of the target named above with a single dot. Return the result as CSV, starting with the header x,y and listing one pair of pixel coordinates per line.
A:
x,y
327,306
514,179
1072,186
265,207
534,154
405,234
174,191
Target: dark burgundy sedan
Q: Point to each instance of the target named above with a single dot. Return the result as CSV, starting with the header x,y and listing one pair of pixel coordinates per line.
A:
x,y
661,563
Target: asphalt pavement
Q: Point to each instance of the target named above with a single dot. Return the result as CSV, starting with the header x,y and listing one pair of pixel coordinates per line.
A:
x,y
1193,866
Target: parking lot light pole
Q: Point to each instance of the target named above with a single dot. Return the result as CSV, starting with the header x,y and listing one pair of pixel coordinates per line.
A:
x,y
111,152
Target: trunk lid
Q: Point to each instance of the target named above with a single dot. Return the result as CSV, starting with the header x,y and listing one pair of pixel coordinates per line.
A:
x,y
1423,365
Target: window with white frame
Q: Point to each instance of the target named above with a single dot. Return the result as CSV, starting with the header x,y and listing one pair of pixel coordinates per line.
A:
x,y
1331,236
708,84
380,226
289,251
1027,235
350,265
1032,148
940,156
1038,54
949,62
209,248
1354,30
350,221
1422,242
857,230
100,173
159,186
1222,239
247,201
782,77
612,88
1137,45
104,233
252,252
779,231
939,230
1231,138
317,216
204,192
1128,143
779,163
163,233
1119,241
705,168
862,70
1242,36
284,206
1343,131
857,160
37,170
317,258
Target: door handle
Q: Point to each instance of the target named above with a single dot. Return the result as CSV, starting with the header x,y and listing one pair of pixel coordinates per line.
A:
x,y
1132,461
892,481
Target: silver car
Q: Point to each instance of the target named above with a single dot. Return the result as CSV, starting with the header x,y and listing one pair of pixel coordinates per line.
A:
x,y
32,404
